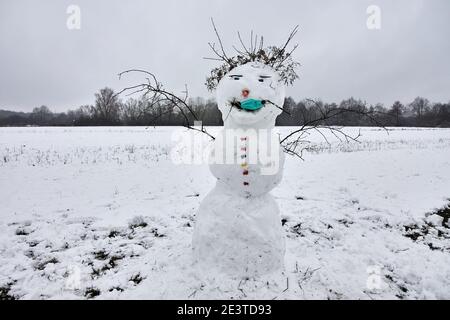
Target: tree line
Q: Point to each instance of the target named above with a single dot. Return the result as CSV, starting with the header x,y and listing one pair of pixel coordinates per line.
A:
x,y
109,110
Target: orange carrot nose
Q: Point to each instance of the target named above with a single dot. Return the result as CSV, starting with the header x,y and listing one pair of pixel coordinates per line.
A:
x,y
245,93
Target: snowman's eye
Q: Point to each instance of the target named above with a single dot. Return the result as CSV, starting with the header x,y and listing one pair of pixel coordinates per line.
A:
x,y
235,76
261,80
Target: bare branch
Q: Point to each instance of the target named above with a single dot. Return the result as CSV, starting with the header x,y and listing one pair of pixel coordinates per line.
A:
x,y
220,40
272,103
318,120
159,95
242,43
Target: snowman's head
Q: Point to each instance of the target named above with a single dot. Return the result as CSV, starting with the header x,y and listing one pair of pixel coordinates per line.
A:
x,y
250,82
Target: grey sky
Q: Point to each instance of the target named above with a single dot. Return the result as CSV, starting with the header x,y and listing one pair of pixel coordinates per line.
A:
x,y
42,62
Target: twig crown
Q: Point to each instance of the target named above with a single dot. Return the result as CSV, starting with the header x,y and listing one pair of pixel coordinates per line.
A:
x,y
279,58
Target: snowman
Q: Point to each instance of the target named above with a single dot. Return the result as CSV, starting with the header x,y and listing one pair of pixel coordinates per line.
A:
x,y
238,227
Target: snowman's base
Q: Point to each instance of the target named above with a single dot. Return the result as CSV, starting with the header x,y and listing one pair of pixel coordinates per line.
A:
x,y
241,236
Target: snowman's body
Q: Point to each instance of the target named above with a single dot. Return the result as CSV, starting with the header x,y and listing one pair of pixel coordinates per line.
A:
x,y
238,227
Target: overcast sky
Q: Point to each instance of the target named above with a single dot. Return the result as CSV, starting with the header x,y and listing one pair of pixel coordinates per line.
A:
x,y
43,62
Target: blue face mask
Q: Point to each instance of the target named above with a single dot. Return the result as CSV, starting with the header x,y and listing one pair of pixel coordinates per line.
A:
x,y
251,104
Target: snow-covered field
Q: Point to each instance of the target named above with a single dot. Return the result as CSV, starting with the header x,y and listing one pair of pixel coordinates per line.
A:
x,y
105,213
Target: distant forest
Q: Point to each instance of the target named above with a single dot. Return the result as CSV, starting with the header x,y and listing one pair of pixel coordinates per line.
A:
x,y
109,110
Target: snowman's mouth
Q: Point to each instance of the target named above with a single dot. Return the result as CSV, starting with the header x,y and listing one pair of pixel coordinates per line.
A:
x,y
237,104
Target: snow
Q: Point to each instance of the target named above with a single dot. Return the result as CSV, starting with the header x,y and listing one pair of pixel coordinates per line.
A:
x,y
104,213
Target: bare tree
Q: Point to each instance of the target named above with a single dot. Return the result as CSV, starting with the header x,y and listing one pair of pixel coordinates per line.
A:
x,y
420,106
107,106
130,111
41,115
397,110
